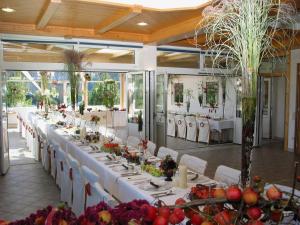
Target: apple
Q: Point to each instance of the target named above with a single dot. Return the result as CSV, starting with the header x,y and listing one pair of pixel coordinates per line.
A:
x,y
179,213
250,197
39,221
233,194
196,219
219,193
62,222
180,201
273,193
134,222
150,212
164,212
160,221
173,219
255,222
222,218
207,223
256,179
105,216
254,213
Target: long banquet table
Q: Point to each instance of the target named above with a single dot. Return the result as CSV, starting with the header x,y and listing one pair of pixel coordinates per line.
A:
x,y
124,189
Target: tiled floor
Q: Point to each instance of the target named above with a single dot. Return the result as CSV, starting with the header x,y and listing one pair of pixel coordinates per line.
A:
x,y
26,187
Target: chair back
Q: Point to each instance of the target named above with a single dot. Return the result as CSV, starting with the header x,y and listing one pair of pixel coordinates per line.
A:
x,y
151,147
193,163
133,141
204,130
171,125
163,152
227,175
191,125
181,126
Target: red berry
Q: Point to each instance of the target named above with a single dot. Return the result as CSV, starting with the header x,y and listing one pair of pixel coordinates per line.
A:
x,y
164,212
173,219
196,219
160,221
180,201
179,213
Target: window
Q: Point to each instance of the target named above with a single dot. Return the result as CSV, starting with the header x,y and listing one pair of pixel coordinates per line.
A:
x,y
96,89
178,59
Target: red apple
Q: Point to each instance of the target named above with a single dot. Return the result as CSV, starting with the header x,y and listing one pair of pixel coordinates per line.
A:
x,y
180,201
273,193
219,193
105,216
254,213
160,221
173,219
234,194
150,212
250,197
179,213
164,212
196,219
207,223
222,218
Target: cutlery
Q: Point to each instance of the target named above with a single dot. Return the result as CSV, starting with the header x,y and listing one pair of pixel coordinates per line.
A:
x,y
129,174
154,185
162,194
195,178
141,182
126,167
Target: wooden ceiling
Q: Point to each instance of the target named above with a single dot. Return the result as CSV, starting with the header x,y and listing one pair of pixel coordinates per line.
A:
x,y
91,19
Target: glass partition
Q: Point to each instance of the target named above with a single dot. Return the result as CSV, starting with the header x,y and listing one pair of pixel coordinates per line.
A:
x,y
178,59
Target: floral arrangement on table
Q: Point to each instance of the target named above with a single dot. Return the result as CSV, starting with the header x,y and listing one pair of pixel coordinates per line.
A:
x,y
168,166
132,157
95,119
93,137
144,144
112,148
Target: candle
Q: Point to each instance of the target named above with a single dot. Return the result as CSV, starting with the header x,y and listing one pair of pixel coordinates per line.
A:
x,y
82,133
182,176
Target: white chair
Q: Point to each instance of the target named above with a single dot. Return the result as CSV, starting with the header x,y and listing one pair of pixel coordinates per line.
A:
x,y
193,163
52,151
191,125
227,175
204,130
96,193
181,126
151,147
77,186
60,164
171,129
66,182
133,141
163,152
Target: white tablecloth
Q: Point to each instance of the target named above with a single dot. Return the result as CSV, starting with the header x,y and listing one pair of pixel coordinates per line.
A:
x,y
220,125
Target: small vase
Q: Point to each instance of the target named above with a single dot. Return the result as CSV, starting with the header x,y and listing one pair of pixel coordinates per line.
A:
x,y
169,174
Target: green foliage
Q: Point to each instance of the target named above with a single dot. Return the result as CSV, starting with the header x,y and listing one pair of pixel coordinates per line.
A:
x,y
16,94
105,92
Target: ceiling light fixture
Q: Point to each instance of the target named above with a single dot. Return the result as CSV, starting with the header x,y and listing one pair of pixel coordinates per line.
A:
x,y
142,24
8,10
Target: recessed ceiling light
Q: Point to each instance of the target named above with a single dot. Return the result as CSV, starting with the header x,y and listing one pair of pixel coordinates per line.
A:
x,y
8,10
142,24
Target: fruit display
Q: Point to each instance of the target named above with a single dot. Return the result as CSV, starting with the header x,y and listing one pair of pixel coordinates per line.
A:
x,y
156,172
112,148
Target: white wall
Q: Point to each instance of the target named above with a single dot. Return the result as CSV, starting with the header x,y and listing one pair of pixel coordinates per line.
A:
x,y
295,59
192,82
278,99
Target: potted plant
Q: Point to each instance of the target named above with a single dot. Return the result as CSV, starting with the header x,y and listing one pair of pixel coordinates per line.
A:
x,y
188,96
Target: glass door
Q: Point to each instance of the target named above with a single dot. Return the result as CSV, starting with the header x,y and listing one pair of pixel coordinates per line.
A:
x,y
135,86
4,146
160,115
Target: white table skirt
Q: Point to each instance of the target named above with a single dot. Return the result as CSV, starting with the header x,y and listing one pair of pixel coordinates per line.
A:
x,y
219,125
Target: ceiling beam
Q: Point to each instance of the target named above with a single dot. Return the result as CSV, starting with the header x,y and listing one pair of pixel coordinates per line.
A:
x,y
175,32
57,31
117,19
47,12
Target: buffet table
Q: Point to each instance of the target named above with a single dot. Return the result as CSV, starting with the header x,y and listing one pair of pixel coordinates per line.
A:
x,y
123,188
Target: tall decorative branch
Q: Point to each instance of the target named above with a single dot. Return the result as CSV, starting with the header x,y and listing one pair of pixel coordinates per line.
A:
x,y
242,33
73,62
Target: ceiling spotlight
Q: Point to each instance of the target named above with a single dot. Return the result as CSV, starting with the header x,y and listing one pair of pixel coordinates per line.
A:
x,y
8,10
142,24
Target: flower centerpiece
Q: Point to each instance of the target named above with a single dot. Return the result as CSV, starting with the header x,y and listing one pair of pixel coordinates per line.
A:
x,y
73,62
112,148
242,33
168,166
95,119
98,214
